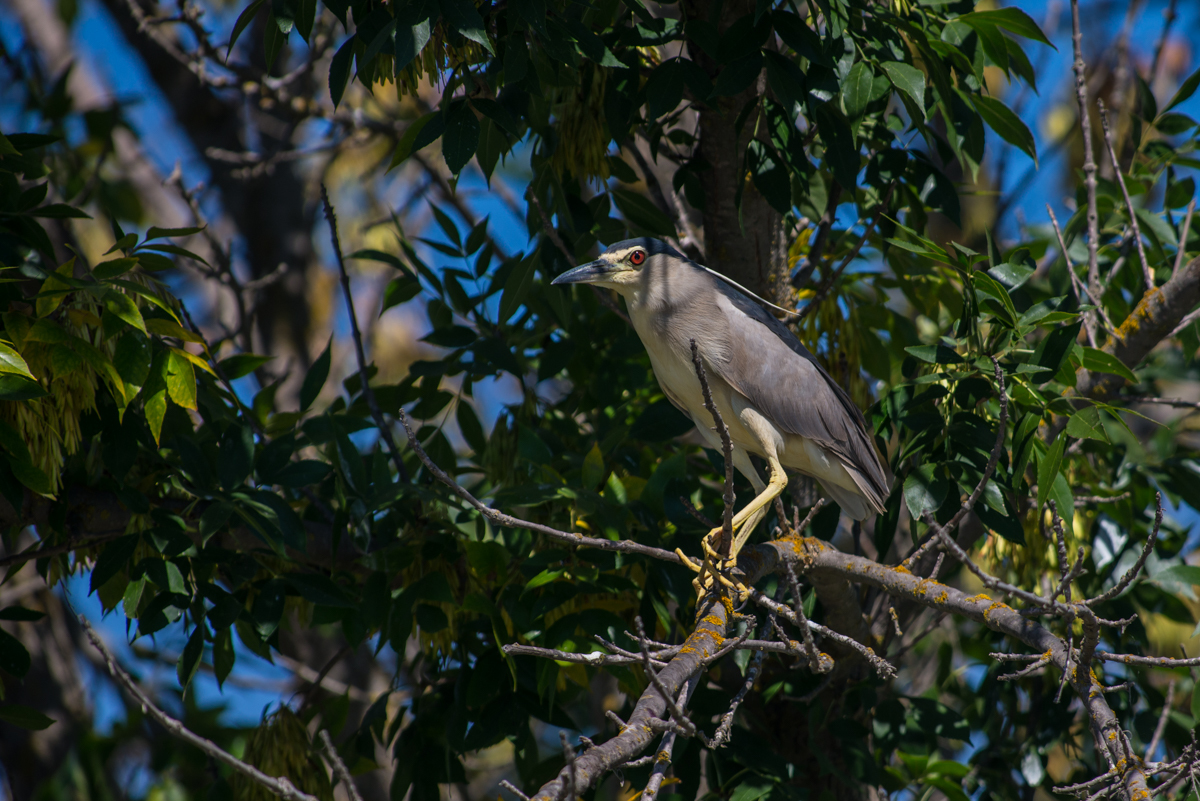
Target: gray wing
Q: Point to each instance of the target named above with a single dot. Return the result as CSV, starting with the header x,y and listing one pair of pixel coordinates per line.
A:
x,y
768,365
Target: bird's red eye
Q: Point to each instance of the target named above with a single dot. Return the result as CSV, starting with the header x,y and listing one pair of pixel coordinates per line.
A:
x,y
637,257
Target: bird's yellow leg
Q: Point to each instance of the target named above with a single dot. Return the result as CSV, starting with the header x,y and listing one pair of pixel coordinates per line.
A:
x,y
753,513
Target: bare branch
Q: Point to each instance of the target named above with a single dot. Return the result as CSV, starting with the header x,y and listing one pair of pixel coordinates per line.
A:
x,y
662,759
823,291
501,519
280,786
593,658
1147,273
512,788
1081,289
339,767
1183,233
1089,157
726,449
1133,572
385,430
1152,748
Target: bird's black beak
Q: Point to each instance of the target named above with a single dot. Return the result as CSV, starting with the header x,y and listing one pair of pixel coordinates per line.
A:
x,y
590,273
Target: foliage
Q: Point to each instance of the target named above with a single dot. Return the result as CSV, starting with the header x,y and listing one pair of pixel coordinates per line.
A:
x,y
241,516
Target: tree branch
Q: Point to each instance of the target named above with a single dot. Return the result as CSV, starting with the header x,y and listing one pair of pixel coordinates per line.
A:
x,y
280,786
1089,158
385,430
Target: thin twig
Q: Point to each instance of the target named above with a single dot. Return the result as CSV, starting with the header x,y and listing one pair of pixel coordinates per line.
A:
x,y
339,767
726,450
512,788
823,290
501,519
1147,273
1183,233
1162,722
280,786
385,430
548,228
677,714
1079,285
662,758
1089,157
1132,573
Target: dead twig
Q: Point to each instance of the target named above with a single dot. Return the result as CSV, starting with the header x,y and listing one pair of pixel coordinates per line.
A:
x,y
1089,158
385,430
1147,273
280,786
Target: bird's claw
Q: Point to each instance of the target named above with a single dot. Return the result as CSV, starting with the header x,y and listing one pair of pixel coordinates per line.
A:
x,y
715,565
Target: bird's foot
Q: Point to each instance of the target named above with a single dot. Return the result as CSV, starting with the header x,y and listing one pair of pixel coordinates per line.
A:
x,y
715,566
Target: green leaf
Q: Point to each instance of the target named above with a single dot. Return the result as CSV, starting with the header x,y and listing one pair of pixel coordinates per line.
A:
x,y
222,655
907,79
1048,469
243,20
339,71
641,213
58,211
935,354
410,41
306,16
925,490
664,89
593,468
543,578
24,717
20,613
423,131
181,379
189,660
1005,122
399,290
275,36
315,379
463,17
1099,361
12,362
461,137
856,89
124,308
769,174
113,559
1064,500
170,233
242,364
14,657
1011,19
320,590
1085,424
1186,90
132,358
515,289
1054,349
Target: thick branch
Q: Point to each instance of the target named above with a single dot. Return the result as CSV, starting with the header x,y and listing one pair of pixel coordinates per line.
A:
x,y
815,558
1152,321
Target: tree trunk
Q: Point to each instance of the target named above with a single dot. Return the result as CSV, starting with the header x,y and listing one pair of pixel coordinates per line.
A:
x,y
748,244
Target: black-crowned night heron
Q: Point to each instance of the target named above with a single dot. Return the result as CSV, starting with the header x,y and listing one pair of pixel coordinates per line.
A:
x,y
774,397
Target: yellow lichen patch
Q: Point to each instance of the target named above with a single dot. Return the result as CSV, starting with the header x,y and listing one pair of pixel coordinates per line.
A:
x,y
979,598
995,605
